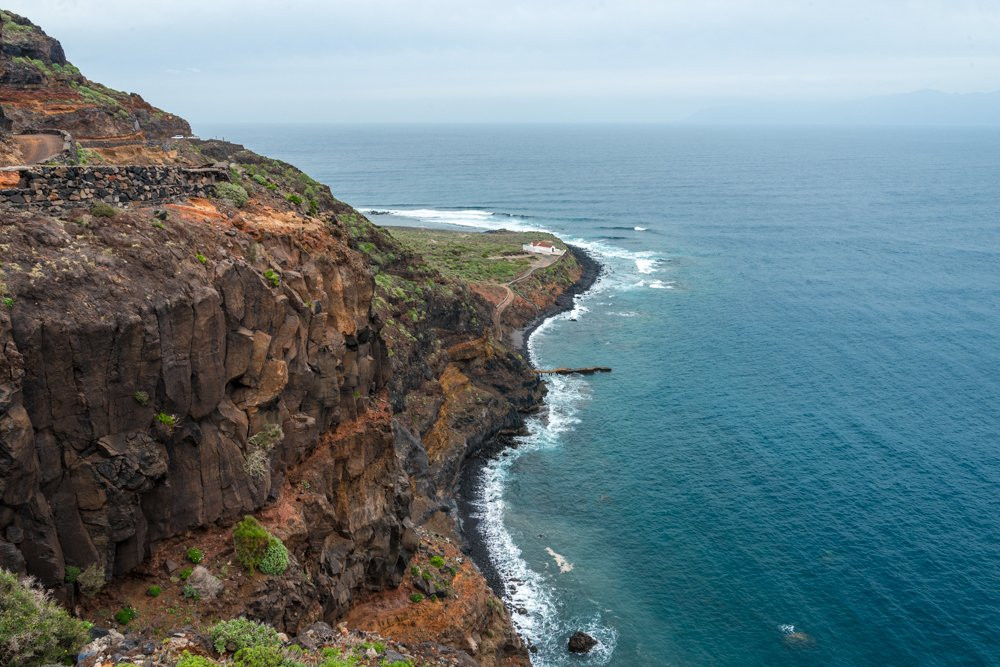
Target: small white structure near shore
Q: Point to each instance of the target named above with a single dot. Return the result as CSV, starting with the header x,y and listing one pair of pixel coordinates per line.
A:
x,y
542,248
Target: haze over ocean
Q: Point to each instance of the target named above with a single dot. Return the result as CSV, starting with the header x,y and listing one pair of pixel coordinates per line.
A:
x,y
801,433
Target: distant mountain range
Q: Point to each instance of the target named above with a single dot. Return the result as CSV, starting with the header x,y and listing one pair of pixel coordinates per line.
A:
x,y
925,107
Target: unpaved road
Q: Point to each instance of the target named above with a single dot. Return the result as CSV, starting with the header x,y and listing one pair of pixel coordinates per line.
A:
x,y
540,263
39,147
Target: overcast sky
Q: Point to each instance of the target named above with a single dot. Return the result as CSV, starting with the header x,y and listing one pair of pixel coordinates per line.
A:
x,y
554,60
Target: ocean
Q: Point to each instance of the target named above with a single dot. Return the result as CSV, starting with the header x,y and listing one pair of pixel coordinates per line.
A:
x,y
796,460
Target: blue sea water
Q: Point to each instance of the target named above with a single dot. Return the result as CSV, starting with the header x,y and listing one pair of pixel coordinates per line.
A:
x,y
797,457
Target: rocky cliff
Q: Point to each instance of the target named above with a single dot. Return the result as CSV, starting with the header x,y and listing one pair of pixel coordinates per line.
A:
x,y
137,364
166,369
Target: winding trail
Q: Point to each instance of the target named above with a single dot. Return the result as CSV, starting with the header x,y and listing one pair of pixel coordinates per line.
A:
x,y
540,263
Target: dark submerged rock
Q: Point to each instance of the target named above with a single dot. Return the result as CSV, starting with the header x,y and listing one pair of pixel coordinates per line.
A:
x,y
581,642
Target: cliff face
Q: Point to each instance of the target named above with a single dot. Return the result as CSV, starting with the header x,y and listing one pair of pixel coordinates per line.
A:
x,y
146,354
133,376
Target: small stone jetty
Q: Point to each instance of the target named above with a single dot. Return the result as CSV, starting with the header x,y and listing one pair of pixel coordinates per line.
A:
x,y
589,370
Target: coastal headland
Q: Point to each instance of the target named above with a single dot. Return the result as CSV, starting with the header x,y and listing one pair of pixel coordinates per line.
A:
x,y
226,394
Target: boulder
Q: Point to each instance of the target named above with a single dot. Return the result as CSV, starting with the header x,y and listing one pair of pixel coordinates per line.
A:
x,y
581,642
208,586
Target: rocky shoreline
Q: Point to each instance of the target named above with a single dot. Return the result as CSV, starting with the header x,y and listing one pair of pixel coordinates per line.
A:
x,y
469,525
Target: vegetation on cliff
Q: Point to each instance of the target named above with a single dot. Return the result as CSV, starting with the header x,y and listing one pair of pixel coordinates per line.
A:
x,y
495,256
34,630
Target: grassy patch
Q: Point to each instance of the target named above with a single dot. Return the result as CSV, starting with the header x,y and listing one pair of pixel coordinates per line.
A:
x,y
102,210
96,94
495,257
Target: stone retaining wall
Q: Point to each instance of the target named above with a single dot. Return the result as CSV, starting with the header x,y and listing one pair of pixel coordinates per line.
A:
x,y
53,189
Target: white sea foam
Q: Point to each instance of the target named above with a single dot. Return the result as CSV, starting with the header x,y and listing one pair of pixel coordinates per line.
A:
x,y
531,596
659,284
561,562
645,265
641,229
471,217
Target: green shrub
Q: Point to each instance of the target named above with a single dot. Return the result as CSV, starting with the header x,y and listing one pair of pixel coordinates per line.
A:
x,y
201,258
260,656
416,597
294,199
275,560
154,591
272,277
267,437
125,615
159,225
259,180
185,573
170,421
33,629
251,541
242,633
191,593
188,660
257,549
141,397
236,194
437,561
91,580
72,574
102,210
195,555
8,302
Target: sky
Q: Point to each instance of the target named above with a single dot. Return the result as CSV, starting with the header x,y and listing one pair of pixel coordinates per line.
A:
x,y
543,61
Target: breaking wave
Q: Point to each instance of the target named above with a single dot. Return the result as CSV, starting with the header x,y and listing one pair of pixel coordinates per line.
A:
x,y
471,217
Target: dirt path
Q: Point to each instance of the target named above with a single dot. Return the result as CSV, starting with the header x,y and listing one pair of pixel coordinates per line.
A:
x,y
39,147
540,263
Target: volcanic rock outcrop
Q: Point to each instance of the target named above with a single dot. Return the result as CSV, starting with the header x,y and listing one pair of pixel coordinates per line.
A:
x,y
166,369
